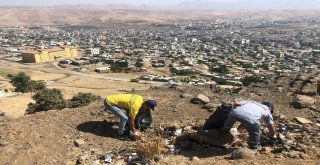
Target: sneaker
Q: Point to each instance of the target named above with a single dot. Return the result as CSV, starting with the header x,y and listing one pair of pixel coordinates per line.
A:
x,y
257,148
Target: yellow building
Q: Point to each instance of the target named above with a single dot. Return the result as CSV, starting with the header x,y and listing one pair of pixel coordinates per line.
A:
x,y
45,55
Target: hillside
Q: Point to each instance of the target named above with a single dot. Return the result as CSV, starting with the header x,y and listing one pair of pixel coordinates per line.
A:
x,y
90,15
81,14
85,135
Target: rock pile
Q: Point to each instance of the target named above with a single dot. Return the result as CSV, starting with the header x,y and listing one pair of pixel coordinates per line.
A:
x,y
306,91
297,138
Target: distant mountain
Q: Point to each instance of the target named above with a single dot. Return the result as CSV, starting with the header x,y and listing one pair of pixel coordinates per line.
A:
x,y
251,4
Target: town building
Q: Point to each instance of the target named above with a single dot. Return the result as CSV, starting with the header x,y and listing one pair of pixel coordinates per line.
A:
x,y
45,55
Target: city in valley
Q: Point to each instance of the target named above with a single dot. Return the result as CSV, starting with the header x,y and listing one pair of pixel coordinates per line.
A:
x,y
174,56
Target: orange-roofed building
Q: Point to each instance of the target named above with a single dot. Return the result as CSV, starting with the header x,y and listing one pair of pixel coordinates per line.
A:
x,y
45,55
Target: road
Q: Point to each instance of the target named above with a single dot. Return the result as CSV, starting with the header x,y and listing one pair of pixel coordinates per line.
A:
x,y
54,68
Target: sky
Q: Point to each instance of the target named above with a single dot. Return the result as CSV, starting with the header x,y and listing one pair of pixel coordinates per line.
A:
x,y
197,4
99,2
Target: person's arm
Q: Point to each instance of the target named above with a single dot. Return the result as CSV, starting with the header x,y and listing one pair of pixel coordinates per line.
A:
x,y
269,121
134,110
131,124
133,128
272,130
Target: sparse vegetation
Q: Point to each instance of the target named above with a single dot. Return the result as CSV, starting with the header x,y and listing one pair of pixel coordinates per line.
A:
x,y
9,75
182,72
49,99
138,64
152,147
251,79
116,68
35,86
46,99
23,83
5,72
225,82
82,99
247,65
221,69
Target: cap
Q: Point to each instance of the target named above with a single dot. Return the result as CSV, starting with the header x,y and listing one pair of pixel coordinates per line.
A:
x,y
270,105
151,103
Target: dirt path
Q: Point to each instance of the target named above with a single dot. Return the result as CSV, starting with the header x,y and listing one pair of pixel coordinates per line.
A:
x,y
70,82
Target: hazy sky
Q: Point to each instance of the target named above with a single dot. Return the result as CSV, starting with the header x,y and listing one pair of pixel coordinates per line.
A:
x,y
223,4
129,2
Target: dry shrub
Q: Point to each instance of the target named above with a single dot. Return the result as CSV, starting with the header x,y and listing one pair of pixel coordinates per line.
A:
x,y
152,147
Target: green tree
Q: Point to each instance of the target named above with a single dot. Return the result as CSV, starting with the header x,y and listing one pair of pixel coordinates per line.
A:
x,y
46,99
21,82
24,84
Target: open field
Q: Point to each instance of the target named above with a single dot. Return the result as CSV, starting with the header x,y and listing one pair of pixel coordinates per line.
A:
x,y
70,84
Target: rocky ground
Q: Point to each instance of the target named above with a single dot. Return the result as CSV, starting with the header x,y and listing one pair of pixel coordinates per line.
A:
x,y
87,135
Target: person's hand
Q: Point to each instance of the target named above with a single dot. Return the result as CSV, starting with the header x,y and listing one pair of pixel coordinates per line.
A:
x,y
137,135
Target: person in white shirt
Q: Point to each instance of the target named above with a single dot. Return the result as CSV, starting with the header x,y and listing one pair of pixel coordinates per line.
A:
x,y
249,114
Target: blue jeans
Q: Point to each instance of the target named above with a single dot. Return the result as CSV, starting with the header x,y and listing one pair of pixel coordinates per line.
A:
x,y
252,127
120,114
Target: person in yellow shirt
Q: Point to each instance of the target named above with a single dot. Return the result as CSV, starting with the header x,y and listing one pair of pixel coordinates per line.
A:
x,y
131,103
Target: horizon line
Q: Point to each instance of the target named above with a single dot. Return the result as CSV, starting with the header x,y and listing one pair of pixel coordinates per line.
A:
x,y
157,7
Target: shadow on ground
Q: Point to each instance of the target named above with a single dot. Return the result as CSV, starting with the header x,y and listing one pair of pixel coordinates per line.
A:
x,y
194,143
209,152
99,128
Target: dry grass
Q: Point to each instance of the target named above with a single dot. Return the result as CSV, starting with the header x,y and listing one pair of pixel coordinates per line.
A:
x,y
152,147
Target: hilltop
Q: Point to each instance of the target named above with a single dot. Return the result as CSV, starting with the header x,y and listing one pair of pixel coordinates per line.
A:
x,y
91,14
85,135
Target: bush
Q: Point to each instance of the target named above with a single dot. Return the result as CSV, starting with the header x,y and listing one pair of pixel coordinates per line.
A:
x,y
24,84
31,108
182,72
221,69
116,68
46,99
251,79
82,99
225,82
247,65
21,82
35,86
138,64
152,147
49,99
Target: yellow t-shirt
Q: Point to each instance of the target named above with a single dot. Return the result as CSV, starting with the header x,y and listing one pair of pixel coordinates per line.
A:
x,y
130,102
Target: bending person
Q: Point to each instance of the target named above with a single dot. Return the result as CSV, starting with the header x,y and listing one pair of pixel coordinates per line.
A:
x,y
250,114
131,104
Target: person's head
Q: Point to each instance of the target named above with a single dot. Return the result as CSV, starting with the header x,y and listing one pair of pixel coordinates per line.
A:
x,y
270,105
149,104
